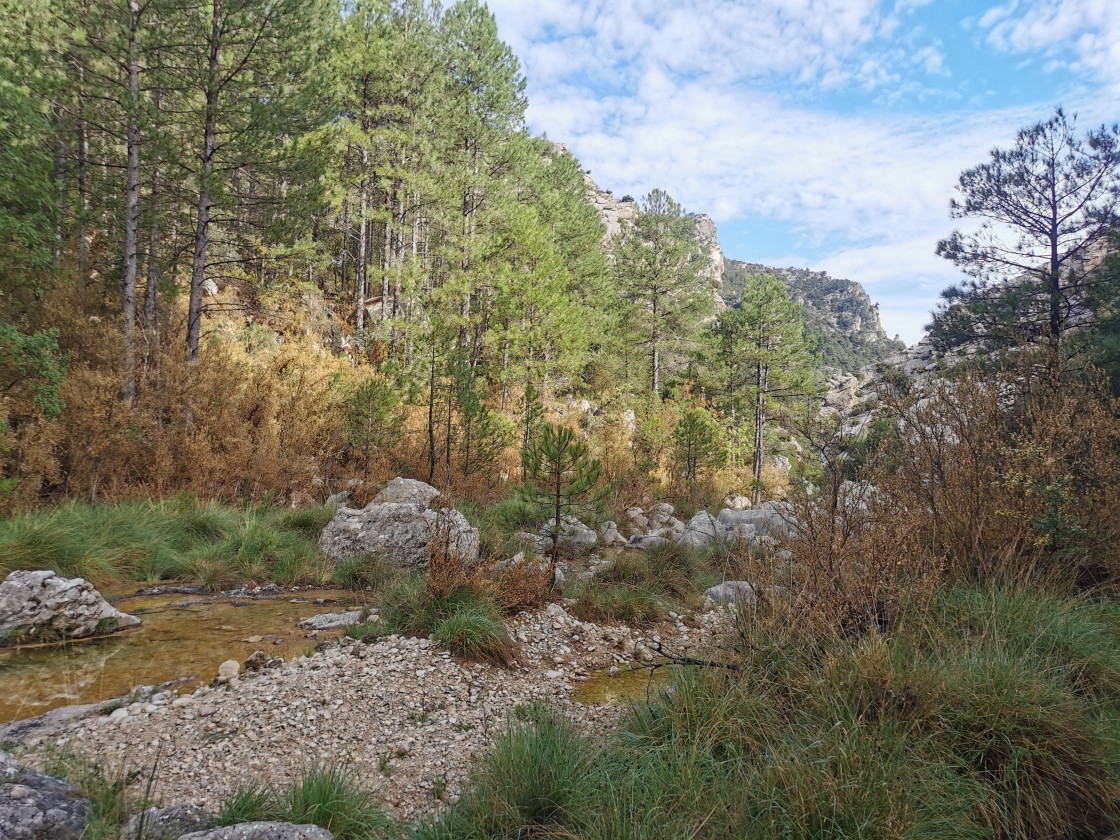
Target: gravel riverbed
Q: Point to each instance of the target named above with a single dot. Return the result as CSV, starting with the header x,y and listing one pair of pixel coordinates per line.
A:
x,y
404,716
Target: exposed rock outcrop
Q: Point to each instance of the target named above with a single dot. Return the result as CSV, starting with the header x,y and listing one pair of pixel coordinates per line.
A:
x,y
34,806
262,831
40,606
402,531
841,320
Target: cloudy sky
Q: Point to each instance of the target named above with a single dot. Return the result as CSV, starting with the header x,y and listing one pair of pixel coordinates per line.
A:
x,y
817,133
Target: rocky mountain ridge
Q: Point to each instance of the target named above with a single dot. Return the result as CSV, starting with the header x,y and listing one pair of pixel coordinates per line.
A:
x,y
841,321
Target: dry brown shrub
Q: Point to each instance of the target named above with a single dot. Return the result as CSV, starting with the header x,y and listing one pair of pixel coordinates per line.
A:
x,y
1011,478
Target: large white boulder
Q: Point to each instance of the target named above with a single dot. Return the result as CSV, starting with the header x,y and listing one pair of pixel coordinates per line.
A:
x,y
401,531
704,530
41,606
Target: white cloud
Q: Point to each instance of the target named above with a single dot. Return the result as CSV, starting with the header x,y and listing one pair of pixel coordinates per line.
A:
x,y
720,102
1083,35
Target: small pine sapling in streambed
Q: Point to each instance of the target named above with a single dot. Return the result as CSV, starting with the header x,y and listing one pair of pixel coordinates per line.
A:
x,y
562,483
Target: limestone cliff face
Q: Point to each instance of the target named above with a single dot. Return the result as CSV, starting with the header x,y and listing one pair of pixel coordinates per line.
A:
x,y
618,212
841,321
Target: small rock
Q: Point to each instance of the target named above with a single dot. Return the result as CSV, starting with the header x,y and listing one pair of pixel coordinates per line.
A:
x,y
228,670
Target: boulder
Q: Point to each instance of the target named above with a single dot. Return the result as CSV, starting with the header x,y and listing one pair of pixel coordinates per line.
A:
x,y
168,823
704,530
331,621
575,540
41,606
637,519
738,592
406,490
647,542
228,670
769,519
34,806
660,514
402,531
262,831
609,535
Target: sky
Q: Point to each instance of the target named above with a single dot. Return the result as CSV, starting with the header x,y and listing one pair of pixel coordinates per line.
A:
x,y
823,134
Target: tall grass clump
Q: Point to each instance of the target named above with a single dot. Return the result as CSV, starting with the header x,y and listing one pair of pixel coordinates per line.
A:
x,y
979,714
323,796
109,803
537,782
373,572
466,618
642,586
179,538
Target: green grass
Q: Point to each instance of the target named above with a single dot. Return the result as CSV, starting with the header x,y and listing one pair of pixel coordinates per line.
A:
x,y
643,586
467,620
323,796
537,782
179,538
985,713
109,802
371,572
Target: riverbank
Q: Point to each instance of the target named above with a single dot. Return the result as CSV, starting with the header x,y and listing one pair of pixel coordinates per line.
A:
x,y
401,714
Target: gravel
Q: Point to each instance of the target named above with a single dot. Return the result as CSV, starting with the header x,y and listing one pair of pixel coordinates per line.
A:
x,y
405,717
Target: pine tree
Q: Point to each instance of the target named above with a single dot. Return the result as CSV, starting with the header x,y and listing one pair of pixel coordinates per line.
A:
x,y
761,362
659,276
563,482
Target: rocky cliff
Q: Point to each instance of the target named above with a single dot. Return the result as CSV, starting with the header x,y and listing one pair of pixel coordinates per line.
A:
x,y
841,321
616,212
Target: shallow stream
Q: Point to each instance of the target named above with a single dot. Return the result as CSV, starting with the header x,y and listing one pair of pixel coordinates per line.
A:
x,y
181,636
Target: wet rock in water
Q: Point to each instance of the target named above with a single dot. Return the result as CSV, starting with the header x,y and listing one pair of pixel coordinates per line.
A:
x,y
168,823
34,806
738,592
331,621
262,831
402,531
41,606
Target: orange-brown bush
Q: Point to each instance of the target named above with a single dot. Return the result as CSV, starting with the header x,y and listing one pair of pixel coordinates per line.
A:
x,y
1005,479
1010,477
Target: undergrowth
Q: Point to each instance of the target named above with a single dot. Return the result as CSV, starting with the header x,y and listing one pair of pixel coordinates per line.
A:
x,y
180,538
987,712
323,796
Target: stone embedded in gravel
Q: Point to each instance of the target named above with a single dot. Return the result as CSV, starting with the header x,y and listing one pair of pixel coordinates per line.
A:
x,y
34,806
168,823
331,621
41,605
228,670
262,831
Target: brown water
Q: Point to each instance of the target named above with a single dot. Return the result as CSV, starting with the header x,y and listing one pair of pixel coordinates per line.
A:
x,y
636,683
182,636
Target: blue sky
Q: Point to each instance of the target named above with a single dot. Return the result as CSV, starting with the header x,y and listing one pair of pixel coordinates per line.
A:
x,y
817,133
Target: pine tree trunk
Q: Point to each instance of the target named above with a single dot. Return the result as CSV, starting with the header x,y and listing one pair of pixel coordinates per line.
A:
x,y
202,224
360,271
132,206
759,423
